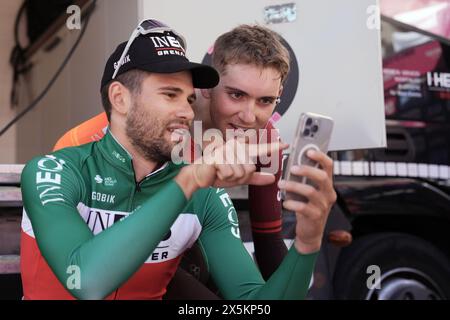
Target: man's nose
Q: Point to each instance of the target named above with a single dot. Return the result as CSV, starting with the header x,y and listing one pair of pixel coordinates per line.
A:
x,y
186,112
247,115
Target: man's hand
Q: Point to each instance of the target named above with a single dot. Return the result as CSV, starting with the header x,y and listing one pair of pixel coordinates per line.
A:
x,y
311,216
227,165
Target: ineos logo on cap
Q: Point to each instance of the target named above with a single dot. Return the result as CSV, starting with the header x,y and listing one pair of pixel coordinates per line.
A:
x,y
166,42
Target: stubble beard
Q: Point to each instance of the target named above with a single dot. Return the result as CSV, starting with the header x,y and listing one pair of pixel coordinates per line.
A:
x,y
146,134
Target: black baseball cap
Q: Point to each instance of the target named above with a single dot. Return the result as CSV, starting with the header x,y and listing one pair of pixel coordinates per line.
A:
x,y
159,53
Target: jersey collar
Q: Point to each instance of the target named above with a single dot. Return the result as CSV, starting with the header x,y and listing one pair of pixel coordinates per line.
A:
x,y
113,151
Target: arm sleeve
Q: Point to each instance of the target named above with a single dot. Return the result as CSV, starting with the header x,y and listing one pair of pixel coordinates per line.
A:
x,y
105,261
266,222
88,131
265,214
232,268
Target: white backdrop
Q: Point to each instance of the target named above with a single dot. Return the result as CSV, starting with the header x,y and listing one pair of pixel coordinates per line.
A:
x,y
338,54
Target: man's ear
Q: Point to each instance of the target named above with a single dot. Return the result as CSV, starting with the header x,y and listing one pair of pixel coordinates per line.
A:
x,y
206,93
281,91
120,97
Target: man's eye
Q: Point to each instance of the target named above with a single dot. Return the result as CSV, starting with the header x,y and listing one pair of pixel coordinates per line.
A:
x,y
235,95
267,101
170,94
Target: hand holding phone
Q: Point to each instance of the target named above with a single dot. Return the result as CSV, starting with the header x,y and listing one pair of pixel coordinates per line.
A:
x,y
313,132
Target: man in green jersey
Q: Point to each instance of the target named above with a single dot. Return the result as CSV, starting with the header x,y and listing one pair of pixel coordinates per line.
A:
x,y
112,218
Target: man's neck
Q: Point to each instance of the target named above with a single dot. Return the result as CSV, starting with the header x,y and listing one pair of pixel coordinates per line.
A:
x,y
141,166
201,111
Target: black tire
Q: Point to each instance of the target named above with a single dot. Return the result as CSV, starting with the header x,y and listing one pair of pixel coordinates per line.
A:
x,y
410,268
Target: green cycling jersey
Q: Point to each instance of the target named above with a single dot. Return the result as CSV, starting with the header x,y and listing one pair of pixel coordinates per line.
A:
x,y
84,209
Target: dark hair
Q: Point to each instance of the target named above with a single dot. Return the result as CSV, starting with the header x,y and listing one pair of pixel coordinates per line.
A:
x,y
132,80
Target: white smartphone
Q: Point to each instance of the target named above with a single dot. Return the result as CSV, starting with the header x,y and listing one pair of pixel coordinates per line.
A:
x,y
313,132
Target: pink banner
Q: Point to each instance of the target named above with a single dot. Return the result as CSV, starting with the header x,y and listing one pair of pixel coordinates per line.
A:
x,y
429,15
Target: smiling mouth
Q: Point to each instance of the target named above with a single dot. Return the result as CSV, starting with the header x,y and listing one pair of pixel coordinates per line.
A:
x,y
178,132
180,127
234,127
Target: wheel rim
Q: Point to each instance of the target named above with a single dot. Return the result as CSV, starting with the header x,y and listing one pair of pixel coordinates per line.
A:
x,y
405,284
